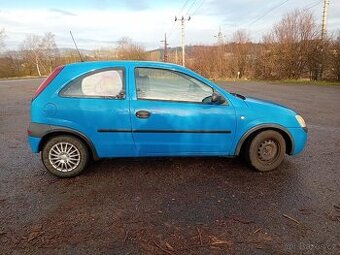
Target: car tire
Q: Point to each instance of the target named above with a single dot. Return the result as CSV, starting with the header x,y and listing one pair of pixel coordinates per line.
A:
x,y
65,156
266,150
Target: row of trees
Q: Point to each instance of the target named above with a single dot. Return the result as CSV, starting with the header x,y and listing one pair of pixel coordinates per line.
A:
x,y
39,55
293,49
36,56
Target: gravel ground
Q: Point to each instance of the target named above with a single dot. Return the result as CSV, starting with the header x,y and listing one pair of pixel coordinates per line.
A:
x,y
175,205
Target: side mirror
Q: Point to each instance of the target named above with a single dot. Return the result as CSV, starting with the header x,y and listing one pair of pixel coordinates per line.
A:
x,y
216,98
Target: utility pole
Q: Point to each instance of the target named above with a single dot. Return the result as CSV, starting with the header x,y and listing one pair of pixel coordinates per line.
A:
x,y
165,53
176,56
323,35
324,19
183,20
220,37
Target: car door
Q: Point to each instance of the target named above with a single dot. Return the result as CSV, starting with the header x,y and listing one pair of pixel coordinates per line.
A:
x,y
96,105
169,118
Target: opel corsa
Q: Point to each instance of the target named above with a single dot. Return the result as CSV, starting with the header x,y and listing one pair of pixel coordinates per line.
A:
x,y
94,110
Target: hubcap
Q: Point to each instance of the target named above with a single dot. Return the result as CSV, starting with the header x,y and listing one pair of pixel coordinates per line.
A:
x,y
268,151
64,156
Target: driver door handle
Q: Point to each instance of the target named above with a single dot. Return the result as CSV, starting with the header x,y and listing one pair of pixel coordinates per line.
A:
x,y
143,114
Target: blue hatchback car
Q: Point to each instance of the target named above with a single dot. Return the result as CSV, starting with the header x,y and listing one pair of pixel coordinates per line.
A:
x,y
94,110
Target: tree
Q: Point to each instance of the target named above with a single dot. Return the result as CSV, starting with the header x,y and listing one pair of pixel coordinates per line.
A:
x,y
39,52
293,45
32,53
335,58
105,54
240,49
129,50
209,61
49,50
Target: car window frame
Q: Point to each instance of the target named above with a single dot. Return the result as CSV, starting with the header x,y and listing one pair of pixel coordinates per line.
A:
x,y
92,72
176,101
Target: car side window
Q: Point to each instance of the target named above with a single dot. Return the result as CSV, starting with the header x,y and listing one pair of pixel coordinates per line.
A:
x,y
160,84
108,83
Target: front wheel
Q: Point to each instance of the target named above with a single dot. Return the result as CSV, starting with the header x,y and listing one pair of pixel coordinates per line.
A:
x,y
65,156
266,150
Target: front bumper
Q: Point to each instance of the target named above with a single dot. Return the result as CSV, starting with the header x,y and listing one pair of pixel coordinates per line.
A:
x,y
299,136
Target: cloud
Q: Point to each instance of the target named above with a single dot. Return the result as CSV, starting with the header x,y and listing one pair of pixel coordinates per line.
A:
x,y
133,5
136,5
103,22
90,27
63,12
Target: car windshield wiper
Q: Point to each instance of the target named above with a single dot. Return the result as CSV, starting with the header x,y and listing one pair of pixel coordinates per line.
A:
x,y
238,95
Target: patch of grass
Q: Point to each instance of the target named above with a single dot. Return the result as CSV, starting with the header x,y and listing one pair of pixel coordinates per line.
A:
x,y
22,78
307,82
281,82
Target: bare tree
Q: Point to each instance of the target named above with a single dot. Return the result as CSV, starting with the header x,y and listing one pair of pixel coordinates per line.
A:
x,y
127,49
209,61
49,50
203,60
40,52
105,54
292,44
32,52
240,49
335,58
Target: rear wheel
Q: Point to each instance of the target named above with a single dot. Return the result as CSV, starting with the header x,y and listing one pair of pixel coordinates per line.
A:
x,y
266,150
65,156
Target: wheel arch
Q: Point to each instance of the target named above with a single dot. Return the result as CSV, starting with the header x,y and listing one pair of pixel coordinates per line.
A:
x,y
81,137
46,132
251,133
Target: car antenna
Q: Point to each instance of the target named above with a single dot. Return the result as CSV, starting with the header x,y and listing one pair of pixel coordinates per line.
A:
x,y
80,56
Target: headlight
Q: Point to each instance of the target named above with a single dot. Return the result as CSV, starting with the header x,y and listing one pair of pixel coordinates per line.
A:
x,y
301,121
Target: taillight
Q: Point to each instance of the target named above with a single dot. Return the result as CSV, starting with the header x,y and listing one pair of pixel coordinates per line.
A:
x,y
47,81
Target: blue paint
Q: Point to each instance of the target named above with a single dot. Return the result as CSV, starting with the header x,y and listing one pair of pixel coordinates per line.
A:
x,y
173,128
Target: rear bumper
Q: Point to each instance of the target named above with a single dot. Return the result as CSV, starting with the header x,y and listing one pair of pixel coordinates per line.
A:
x,y
299,136
35,133
34,143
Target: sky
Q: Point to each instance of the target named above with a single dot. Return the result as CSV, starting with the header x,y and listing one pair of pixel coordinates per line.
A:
x,y
101,23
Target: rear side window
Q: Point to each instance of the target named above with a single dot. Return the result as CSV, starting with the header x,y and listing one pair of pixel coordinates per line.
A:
x,y
106,83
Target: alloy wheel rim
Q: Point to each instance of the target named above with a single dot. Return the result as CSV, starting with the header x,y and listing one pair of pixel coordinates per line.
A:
x,y
64,156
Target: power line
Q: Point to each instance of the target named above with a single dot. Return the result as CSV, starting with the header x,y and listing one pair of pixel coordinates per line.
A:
x,y
198,7
307,7
312,5
269,11
191,6
183,7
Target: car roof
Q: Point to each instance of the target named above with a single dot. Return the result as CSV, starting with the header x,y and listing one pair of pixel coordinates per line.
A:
x,y
99,64
79,68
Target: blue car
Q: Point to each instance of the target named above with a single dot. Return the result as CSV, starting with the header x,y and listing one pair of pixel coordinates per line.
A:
x,y
95,110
